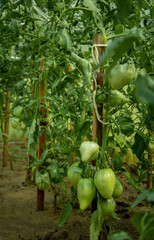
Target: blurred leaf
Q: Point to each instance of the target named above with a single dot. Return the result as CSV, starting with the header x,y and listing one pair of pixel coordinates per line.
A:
x,y
123,9
67,209
133,182
91,4
95,225
126,125
144,89
140,144
65,39
118,48
84,130
144,223
146,195
118,161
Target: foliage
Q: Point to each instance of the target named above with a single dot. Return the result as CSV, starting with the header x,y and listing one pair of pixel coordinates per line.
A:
x,y
49,43
142,221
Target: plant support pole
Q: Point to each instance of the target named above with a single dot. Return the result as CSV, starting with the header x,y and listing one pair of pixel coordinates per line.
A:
x,y
97,125
6,130
149,174
41,142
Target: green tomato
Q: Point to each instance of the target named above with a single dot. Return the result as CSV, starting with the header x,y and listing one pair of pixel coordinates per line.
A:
x,y
17,111
74,174
89,151
119,28
100,97
121,75
116,98
108,207
118,190
105,182
15,123
48,161
86,192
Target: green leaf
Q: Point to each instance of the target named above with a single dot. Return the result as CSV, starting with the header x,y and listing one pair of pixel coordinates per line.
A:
x,y
147,195
84,130
126,125
119,28
91,4
133,182
144,89
144,223
65,39
95,226
118,161
118,48
85,64
119,235
120,139
123,9
140,144
67,209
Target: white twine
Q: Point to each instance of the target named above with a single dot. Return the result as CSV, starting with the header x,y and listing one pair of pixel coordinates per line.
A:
x,y
96,51
95,58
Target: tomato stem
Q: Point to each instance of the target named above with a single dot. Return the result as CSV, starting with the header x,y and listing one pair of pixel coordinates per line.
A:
x,y
118,35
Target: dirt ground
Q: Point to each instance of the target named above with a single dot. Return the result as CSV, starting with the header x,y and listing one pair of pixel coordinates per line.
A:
x,y
20,220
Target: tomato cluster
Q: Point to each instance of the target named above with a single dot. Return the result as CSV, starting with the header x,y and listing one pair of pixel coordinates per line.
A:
x,y
104,183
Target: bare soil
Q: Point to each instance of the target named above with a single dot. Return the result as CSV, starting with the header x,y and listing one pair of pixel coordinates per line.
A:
x,y
20,220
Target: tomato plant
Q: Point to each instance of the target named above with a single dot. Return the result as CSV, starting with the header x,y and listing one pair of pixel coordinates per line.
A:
x,y
50,42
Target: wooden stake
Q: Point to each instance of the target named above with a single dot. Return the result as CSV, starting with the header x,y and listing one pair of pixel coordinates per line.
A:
x,y
149,175
6,130
42,139
28,171
97,125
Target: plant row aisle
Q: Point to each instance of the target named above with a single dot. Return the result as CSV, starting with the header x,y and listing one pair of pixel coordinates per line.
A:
x,y
76,79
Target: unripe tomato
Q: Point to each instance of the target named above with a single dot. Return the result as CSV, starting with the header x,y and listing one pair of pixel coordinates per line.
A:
x,y
74,174
121,75
17,111
15,123
108,207
118,190
89,151
86,192
116,98
100,97
105,182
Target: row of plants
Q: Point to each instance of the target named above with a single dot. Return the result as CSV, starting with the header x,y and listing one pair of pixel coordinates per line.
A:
x,y
51,42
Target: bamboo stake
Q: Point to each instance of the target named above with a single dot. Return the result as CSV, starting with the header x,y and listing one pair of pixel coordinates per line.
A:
x,y
6,130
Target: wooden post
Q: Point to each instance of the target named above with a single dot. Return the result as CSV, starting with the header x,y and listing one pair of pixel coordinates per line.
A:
x,y
28,170
42,139
97,125
149,175
6,130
